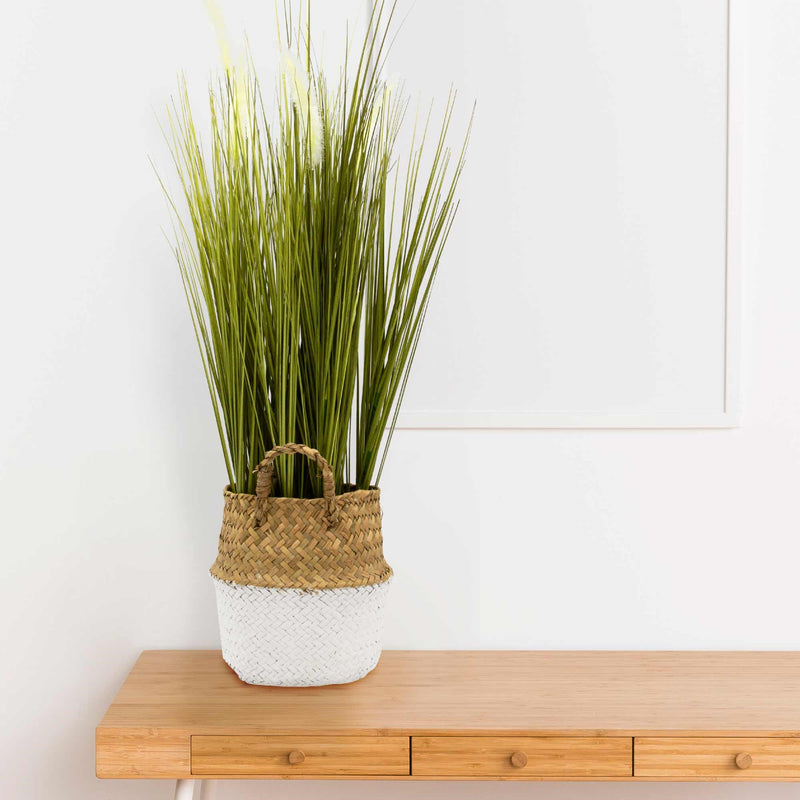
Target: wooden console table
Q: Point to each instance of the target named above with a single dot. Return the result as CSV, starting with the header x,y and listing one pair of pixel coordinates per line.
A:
x,y
464,715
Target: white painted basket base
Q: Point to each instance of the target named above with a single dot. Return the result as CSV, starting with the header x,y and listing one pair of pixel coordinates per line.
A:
x,y
294,637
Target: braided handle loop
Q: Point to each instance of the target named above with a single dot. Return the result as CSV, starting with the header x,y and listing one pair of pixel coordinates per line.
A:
x,y
266,470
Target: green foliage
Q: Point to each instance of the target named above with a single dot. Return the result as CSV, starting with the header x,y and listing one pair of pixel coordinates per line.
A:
x,y
308,249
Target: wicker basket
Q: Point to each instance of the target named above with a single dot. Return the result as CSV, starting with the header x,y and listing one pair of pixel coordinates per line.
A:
x,y
301,584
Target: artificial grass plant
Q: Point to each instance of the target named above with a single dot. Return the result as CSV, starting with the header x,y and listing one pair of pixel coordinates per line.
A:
x,y
308,248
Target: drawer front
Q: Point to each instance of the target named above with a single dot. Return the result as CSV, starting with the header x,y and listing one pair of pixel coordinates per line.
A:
x,y
300,755
521,756
732,758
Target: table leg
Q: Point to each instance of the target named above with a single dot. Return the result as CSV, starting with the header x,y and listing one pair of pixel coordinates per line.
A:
x,y
188,789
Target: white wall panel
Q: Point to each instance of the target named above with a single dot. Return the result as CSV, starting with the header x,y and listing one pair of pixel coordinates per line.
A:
x,y
586,281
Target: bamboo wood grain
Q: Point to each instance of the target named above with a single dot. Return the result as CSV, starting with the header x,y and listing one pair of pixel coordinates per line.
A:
x,y
542,756
717,757
171,696
142,753
479,692
313,755
503,778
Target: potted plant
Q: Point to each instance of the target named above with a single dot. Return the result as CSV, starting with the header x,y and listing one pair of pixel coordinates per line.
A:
x,y
308,250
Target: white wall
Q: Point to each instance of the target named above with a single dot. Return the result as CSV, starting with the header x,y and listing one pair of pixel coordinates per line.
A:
x,y
111,476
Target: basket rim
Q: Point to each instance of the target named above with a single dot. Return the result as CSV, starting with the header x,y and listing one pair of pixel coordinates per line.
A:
x,y
355,495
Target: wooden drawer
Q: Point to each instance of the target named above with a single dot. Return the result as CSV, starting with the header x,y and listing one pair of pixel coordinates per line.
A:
x,y
731,758
521,756
300,755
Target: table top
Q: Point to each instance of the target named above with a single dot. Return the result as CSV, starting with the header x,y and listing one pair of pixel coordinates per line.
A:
x,y
426,692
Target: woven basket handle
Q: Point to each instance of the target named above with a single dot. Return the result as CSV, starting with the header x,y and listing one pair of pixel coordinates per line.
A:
x,y
266,470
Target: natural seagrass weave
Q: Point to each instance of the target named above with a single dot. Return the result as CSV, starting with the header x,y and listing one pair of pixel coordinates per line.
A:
x,y
333,542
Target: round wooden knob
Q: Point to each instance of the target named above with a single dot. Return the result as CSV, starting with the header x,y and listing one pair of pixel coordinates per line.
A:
x,y
519,759
297,757
744,760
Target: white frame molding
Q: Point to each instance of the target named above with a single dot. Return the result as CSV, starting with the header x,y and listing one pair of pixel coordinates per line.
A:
x,y
729,415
